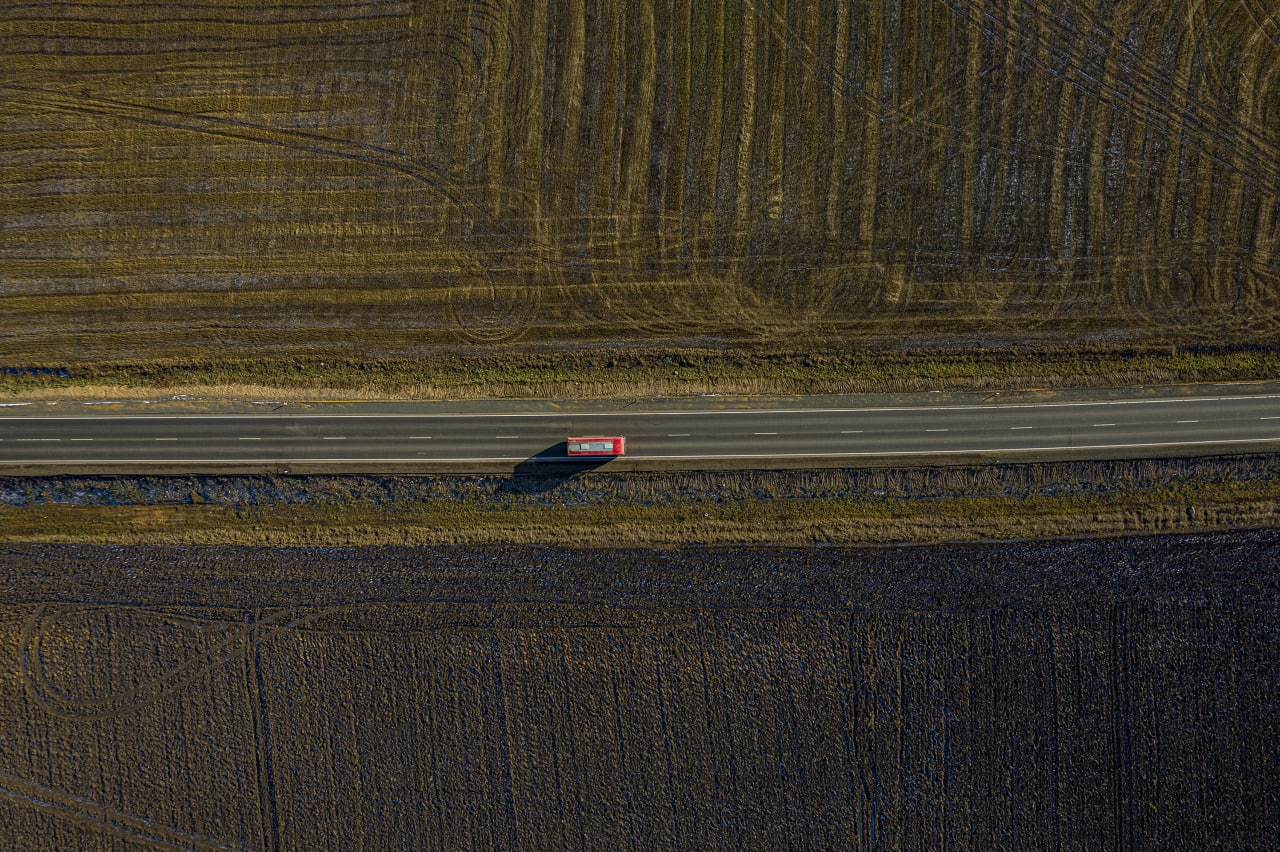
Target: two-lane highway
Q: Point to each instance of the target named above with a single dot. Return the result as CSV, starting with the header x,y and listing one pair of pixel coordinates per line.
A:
x,y
1139,427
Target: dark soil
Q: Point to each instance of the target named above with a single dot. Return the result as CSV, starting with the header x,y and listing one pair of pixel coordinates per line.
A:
x,y
1117,693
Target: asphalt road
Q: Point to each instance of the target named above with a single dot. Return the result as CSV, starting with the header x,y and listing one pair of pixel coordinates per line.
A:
x,y
1100,429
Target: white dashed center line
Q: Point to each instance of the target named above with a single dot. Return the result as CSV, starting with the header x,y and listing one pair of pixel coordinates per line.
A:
x,y
850,431
1021,427
335,437
766,433
679,435
937,430
1096,425
166,439
1188,421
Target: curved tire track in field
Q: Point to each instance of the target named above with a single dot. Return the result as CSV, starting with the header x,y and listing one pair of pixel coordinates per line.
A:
x,y
1147,93
95,815
60,704
479,222
56,701
1128,78
456,117
484,311
245,131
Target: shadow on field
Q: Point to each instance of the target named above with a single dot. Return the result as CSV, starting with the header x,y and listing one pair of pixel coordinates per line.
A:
x,y
547,469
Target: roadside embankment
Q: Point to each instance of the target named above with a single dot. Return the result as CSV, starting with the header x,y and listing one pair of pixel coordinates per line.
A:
x,y
660,509
629,373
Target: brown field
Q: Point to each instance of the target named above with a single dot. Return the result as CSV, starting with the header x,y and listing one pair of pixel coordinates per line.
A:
x,y
1091,694
185,186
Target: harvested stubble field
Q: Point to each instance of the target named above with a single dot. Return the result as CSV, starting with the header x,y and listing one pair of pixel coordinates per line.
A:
x,y
1118,694
241,192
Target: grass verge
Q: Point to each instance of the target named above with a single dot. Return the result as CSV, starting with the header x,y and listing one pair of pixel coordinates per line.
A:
x,y
605,374
697,520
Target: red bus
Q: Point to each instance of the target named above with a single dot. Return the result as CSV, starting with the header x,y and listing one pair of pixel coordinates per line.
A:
x,y
611,446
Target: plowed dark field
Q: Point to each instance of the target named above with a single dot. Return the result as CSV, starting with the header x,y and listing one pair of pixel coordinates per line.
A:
x,y
183,182
1101,694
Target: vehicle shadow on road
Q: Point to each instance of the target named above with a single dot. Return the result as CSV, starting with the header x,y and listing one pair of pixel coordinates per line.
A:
x,y
548,469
